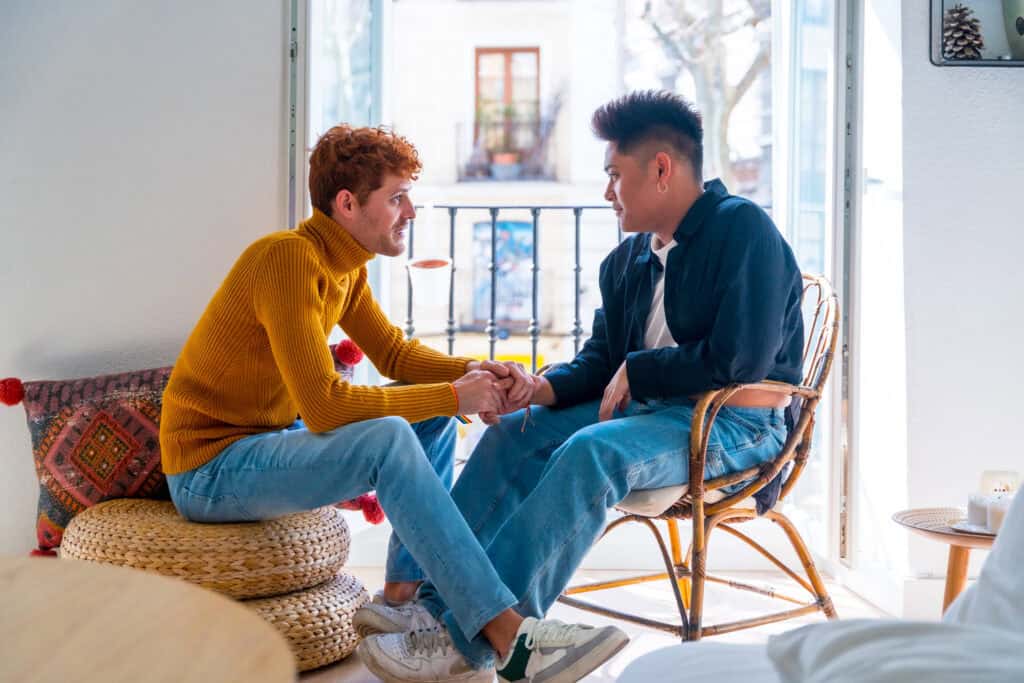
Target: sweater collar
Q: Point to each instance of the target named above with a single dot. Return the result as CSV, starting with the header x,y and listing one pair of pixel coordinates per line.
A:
x,y
342,252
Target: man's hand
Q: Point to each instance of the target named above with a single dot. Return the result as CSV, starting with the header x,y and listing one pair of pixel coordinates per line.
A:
x,y
616,394
522,381
479,391
541,395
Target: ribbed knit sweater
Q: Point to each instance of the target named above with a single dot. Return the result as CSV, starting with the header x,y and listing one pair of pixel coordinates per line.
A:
x,y
258,356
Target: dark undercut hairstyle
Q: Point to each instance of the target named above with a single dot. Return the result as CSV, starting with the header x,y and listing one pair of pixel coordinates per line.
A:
x,y
652,116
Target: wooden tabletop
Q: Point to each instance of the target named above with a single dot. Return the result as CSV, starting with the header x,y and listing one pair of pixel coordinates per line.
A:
x,y
68,620
934,523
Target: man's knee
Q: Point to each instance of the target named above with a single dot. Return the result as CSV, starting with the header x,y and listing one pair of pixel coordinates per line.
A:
x,y
592,447
391,423
395,434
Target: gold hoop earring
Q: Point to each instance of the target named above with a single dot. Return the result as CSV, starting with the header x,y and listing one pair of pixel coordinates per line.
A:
x,y
662,188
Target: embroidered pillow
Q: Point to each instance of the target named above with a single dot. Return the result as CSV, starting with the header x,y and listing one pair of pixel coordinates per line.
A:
x,y
94,439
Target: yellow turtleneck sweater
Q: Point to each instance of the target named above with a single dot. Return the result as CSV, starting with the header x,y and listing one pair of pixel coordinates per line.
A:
x,y
258,356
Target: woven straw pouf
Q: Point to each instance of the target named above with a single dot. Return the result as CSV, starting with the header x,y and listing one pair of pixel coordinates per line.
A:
x,y
248,560
317,622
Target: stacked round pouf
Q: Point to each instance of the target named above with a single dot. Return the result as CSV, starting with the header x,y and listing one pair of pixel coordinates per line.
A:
x,y
286,569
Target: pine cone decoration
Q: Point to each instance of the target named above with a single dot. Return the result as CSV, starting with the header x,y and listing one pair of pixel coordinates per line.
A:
x,y
961,34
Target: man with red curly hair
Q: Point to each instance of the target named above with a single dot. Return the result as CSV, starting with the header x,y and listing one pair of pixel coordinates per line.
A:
x,y
233,448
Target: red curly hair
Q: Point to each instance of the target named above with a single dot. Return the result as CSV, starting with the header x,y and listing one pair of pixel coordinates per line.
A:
x,y
357,159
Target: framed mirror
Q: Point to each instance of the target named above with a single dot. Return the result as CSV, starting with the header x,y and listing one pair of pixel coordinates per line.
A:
x,y
977,32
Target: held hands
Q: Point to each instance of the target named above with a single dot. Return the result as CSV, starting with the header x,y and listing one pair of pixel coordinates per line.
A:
x,y
616,394
480,391
519,388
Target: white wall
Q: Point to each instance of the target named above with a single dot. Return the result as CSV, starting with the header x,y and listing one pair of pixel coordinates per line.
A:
x,y
142,147
963,240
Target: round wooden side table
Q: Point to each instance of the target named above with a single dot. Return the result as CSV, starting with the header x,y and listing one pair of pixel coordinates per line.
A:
x,y
934,523
70,620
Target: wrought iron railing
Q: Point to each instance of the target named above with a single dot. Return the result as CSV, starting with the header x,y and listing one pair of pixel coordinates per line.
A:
x,y
533,330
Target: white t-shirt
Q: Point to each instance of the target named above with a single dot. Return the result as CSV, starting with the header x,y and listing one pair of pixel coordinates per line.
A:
x,y
656,334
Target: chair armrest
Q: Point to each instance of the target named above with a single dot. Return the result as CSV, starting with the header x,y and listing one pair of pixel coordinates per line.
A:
x,y
781,388
704,415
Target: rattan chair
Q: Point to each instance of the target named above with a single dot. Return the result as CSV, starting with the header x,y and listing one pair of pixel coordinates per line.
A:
x,y
710,508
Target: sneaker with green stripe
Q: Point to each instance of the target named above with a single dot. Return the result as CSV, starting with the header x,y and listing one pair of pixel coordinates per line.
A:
x,y
550,651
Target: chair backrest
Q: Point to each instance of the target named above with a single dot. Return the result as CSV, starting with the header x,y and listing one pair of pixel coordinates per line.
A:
x,y
821,326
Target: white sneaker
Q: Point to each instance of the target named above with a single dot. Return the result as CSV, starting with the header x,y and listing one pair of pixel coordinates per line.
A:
x,y
378,617
550,651
379,599
423,656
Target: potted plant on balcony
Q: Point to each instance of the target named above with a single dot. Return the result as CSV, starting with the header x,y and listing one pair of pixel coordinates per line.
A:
x,y
505,165
505,156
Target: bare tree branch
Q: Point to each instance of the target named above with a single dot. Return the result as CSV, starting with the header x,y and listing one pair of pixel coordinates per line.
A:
x,y
761,61
671,45
737,21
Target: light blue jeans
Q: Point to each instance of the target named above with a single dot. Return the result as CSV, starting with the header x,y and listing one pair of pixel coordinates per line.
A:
x,y
538,500
410,466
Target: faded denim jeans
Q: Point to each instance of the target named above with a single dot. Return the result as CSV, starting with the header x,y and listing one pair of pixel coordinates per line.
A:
x,y
410,466
538,500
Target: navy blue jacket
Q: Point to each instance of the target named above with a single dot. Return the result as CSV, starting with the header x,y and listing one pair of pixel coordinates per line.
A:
x,y
732,304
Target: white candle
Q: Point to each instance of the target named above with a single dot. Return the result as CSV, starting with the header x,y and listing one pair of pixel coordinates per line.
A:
x,y
977,509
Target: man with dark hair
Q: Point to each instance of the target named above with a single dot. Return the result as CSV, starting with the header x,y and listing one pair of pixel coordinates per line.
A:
x,y
706,294
233,450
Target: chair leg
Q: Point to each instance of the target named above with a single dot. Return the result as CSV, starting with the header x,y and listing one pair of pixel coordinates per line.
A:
x,y
698,572
821,593
677,559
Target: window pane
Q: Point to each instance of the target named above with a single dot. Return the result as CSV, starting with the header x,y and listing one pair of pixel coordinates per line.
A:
x,y
492,65
340,64
524,65
808,226
524,85
491,85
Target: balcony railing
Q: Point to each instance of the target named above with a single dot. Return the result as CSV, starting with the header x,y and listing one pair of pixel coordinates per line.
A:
x,y
491,329
506,150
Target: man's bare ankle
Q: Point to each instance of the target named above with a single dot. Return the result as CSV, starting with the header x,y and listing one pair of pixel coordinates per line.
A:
x,y
402,591
501,631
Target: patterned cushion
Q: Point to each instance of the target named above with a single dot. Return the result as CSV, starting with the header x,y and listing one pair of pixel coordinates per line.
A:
x,y
94,439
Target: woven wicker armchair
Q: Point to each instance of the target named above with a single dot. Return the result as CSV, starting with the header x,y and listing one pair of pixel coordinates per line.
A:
x,y
709,508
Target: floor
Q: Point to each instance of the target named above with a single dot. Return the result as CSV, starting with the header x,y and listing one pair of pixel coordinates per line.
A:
x,y
655,601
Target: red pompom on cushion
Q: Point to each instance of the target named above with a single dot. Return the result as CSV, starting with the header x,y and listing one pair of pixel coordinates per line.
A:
x,y
370,506
348,353
372,510
11,391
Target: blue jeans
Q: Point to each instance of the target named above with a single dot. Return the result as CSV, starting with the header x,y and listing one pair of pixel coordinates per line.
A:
x,y
410,466
537,501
